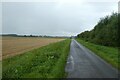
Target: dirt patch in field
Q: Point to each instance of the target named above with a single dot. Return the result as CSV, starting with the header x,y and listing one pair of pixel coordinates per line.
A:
x,y
16,45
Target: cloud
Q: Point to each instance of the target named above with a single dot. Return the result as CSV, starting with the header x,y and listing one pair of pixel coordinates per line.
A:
x,y
58,17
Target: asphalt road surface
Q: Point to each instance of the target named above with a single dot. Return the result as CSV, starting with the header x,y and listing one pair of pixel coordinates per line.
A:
x,y
83,63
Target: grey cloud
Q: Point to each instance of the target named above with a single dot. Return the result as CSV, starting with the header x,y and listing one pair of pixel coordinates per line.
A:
x,y
52,18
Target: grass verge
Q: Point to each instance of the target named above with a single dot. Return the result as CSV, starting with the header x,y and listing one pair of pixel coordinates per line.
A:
x,y
109,54
45,62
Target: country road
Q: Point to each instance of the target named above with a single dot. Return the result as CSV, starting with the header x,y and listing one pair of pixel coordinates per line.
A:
x,y
83,63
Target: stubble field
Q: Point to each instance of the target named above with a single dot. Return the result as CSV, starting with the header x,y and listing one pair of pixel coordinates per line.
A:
x,y
16,45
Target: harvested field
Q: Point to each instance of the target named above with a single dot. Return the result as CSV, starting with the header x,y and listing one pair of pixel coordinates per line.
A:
x,y
16,45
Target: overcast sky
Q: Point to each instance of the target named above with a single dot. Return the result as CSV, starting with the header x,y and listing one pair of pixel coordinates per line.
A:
x,y
60,17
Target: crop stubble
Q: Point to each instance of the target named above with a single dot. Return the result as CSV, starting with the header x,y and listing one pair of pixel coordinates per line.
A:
x,y
16,45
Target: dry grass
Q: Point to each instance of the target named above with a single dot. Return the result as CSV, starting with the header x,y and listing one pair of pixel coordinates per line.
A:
x,y
16,45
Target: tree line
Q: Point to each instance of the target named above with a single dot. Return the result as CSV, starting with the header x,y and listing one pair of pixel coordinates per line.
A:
x,y
104,33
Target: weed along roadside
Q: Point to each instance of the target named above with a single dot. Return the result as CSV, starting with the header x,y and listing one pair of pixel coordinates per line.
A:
x,y
45,62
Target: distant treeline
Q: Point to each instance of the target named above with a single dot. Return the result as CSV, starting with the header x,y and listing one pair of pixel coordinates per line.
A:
x,y
44,36
104,33
8,35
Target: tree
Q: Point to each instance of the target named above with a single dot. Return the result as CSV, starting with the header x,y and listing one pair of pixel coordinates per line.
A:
x,y
104,33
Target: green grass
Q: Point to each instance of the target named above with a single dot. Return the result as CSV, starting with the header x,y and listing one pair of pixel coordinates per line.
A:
x,y
45,62
0,69
109,54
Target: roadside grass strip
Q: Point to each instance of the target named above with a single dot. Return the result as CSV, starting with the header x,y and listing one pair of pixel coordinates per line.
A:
x,y
45,62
